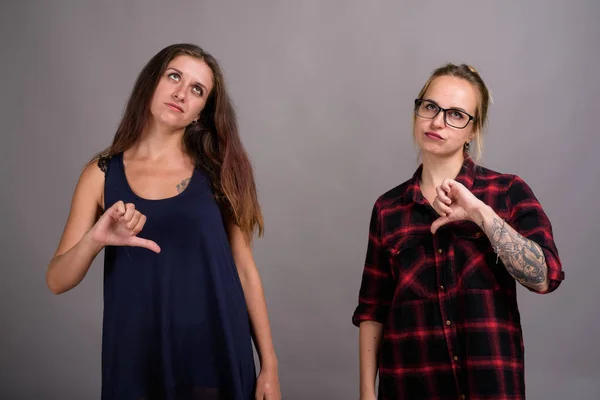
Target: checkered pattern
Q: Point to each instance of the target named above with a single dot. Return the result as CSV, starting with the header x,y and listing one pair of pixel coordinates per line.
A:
x,y
448,306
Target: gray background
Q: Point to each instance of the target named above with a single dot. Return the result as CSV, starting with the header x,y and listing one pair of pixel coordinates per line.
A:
x,y
324,92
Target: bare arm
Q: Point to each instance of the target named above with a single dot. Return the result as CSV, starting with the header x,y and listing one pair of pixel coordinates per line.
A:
x,y
369,341
256,303
523,258
77,249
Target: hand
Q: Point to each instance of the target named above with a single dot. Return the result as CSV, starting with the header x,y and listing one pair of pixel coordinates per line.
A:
x,y
119,225
267,385
454,202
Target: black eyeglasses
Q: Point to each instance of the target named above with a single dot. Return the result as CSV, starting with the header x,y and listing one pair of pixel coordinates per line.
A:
x,y
452,116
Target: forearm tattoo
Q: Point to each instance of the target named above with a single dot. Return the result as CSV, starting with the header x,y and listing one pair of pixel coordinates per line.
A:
x,y
523,258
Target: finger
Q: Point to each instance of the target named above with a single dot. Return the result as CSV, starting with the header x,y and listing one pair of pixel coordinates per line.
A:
x,y
442,195
117,210
438,223
262,391
272,395
136,241
266,393
446,185
134,220
129,211
441,208
140,224
454,185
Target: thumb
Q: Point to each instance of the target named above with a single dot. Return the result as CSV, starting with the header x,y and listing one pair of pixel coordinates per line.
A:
x,y
136,241
441,221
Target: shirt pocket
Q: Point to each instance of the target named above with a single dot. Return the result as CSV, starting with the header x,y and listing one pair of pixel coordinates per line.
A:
x,y
474,259
411,269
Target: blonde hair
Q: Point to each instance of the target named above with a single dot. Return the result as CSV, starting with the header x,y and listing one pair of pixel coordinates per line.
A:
x,y
470,74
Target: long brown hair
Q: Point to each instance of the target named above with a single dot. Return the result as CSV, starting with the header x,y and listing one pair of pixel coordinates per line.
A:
x,y
471,75
213,141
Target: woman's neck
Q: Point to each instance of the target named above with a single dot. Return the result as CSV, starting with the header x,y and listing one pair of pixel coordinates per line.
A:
x,y
157,144
436,169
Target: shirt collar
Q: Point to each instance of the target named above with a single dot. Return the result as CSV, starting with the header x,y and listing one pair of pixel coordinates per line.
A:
x,y
466,177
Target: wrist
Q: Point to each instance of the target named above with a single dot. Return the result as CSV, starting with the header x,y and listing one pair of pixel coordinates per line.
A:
x,y
89,240
367,392
269,362
367,387
481,214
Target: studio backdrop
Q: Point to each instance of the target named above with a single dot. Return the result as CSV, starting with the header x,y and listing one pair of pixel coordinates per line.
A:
x,y
324,93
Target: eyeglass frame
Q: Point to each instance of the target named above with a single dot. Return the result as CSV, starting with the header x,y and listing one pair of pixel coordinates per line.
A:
x,y
471,118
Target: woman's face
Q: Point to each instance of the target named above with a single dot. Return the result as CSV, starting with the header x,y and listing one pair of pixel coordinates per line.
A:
x,y
181,92
437,136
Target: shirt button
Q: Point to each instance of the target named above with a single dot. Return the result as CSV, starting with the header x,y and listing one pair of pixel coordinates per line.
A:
x,y
448,323
463,397
440,251
455,358
442,287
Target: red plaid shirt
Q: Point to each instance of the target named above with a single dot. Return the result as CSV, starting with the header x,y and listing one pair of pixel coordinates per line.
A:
x,y
451,325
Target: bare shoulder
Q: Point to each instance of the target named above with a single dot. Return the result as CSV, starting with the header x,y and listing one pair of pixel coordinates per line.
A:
x,y
91,180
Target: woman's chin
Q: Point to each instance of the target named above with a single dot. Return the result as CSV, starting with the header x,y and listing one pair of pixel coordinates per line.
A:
x,y
437,151
169,123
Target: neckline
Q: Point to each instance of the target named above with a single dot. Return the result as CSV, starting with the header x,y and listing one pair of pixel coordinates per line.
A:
x,y
138,197
466,176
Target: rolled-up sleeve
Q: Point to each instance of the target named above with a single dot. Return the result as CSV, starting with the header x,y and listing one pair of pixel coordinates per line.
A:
x,y
529,219
377,289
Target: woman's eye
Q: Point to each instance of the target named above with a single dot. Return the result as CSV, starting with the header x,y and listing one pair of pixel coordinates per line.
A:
x,y
197,90
174,76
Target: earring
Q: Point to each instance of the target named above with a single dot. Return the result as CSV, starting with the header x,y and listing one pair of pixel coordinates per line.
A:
x,y
194,121
467,145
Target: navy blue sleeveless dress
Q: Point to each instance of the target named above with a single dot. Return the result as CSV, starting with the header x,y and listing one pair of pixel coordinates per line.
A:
x,y
175,324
